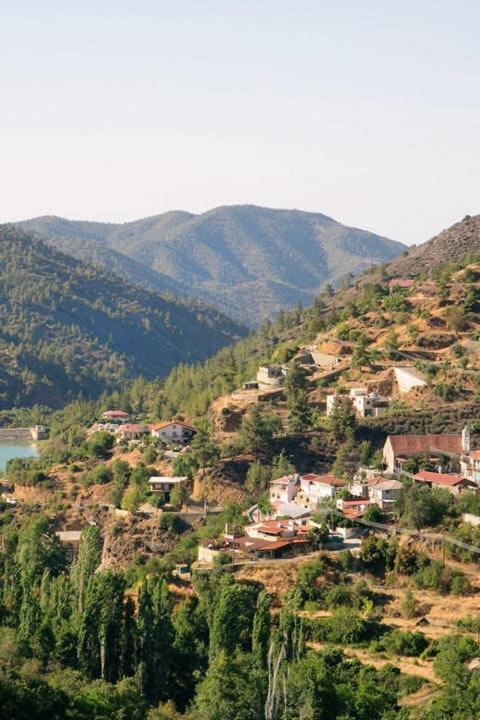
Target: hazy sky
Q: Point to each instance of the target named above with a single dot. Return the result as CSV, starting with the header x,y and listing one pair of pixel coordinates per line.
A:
x,y
367,110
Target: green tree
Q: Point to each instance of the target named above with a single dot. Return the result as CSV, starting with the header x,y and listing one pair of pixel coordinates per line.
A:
x,y
258,477
261,630
100,633
236,601
258,430
88,559
155,640
100,444
342,420
230,689
204,449
296,391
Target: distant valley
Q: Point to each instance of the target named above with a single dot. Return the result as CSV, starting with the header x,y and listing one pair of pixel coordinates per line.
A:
x,y
249,262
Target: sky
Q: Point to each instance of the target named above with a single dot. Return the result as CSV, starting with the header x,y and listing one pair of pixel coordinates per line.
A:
x,y
366,111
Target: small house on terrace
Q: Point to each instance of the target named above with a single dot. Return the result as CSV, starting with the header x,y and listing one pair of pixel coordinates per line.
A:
x,y
163,485
173,431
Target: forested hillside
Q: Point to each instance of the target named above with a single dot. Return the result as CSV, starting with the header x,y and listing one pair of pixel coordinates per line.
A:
x,y
69,329
248,261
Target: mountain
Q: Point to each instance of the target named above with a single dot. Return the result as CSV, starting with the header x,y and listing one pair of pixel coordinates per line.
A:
x,y
248,261
67,327
432,320
453,243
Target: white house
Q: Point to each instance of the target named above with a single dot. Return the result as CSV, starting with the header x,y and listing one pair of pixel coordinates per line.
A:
x,y
271,375
284,489
163,485
385,494
365,404
173,431
314,488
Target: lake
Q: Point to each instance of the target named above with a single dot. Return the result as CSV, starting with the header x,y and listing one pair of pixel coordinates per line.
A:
x,y
9,450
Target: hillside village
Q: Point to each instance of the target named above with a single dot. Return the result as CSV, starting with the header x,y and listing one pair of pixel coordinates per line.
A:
x,y
339,476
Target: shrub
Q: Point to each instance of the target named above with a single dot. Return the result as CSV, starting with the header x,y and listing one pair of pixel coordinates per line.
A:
x,y
409,605
100,444
168,522
101,475
410,644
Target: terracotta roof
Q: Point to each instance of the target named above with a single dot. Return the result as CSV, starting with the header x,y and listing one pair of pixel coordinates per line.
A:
x,y
283,542
133,427
114,414
440,478
323,480
412,444
167,423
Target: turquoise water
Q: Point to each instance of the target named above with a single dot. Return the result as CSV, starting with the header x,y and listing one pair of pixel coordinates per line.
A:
x,y
9,450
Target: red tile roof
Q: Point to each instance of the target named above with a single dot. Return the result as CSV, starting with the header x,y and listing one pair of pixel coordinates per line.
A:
x,y
114,414
133,427
283,542
440,478
413,444
323,480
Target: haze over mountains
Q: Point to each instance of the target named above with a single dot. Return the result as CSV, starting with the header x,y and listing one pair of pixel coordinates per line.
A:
x,y
69,328
248,261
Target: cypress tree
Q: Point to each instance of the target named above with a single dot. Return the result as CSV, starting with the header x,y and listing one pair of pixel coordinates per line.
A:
x,y
261,630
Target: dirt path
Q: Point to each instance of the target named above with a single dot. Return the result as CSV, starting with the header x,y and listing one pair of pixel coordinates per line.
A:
x,y
421,668
421,697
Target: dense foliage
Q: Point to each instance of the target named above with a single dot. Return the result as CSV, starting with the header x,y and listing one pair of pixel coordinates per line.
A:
x,y
69,329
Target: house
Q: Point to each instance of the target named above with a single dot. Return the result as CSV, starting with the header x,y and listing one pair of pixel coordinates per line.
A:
x,y
453,483
163,485
398,448
365,404
173,431
132,431
70,538
289,510
284,489
267,539
115,416
355,507
385,494
314,488
363,480
470,466
271,375
408,378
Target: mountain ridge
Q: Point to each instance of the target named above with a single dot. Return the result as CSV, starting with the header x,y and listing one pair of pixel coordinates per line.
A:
x,y
247,260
